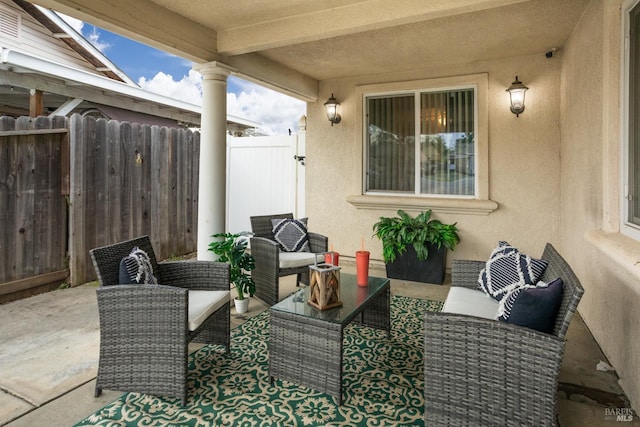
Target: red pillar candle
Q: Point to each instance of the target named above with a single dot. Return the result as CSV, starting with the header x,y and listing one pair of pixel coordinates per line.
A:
x,y
362,268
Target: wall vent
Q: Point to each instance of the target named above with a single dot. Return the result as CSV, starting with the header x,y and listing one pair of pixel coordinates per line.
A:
x,y
10,24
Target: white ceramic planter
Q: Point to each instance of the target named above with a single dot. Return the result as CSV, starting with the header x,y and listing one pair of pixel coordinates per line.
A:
x,y
242,305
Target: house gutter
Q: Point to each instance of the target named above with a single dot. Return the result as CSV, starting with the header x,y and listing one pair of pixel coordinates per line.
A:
x,y
19,62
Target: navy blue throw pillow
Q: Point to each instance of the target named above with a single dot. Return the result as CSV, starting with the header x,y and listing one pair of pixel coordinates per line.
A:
x,y
534,307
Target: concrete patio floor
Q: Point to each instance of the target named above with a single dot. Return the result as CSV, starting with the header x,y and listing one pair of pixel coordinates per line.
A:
x,y
49,355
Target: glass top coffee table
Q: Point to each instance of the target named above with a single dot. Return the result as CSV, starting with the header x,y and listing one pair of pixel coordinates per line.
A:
x,y
305,344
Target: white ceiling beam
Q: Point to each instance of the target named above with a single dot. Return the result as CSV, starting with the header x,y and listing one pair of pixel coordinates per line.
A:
x,y
340,21
263,71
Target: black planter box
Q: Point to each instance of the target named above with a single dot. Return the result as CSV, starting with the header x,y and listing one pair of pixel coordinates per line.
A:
x,y
407,267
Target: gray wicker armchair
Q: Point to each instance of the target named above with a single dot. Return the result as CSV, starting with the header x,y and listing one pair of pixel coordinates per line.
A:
x,y
482,372
270,266
145,329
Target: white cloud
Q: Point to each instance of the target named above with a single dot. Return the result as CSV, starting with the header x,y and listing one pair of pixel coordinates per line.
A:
x,y
94,39
277,113
188,89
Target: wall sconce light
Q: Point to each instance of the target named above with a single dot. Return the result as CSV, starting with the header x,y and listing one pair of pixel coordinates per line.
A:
x,y
332,110
516,94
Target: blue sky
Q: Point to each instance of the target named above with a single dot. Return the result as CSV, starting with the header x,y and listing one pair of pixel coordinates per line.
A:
x,y
169,75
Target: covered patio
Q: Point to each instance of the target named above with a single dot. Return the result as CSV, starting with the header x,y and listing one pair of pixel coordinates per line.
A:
x,y
556,173
55,383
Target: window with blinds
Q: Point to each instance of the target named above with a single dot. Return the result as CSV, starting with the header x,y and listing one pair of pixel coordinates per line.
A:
x,y
422,143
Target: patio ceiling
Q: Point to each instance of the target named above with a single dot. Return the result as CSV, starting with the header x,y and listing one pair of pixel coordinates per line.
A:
x,y
291,45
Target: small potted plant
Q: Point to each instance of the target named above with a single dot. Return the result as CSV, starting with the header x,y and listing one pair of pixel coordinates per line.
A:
x,y
415,248
232,249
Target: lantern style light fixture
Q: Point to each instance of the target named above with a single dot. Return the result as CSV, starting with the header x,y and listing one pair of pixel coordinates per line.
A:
x,y
516,95
332,110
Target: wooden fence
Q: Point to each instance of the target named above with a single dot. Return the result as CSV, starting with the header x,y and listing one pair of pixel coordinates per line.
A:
x,y
129,180
124,180
34,184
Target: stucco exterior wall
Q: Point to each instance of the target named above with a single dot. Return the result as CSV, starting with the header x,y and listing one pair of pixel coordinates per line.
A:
x,y
605,261
554,173
524,162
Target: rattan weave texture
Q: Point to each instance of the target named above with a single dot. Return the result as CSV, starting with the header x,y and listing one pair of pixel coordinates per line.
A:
x,y
482,372
144,332
308,351
266,252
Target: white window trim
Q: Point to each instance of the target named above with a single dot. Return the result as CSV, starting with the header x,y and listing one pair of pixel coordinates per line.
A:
x,y
626,228
480,204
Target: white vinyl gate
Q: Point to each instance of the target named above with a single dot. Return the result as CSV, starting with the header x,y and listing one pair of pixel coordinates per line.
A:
x,y
263,177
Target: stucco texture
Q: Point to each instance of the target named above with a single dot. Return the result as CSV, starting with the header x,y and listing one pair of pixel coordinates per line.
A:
x,y
602,258
551,171
523,152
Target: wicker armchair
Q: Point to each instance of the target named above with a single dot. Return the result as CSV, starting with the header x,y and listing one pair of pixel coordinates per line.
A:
x,y
145,329
270,266
482,372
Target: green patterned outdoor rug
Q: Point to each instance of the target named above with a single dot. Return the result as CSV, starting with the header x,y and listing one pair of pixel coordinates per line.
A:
x,y
382,382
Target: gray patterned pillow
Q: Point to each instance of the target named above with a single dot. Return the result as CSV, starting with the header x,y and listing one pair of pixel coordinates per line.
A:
x,y
507,270
291,234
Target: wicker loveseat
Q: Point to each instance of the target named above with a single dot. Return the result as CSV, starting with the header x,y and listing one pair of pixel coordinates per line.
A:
x,y
484,372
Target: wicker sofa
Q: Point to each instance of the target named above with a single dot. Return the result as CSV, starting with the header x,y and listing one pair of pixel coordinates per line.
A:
x,y
479,371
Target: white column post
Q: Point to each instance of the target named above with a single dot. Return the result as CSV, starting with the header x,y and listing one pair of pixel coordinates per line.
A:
x,y
212,181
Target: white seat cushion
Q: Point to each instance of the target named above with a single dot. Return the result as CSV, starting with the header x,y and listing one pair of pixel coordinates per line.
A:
x,y
202,304
461,300
299,259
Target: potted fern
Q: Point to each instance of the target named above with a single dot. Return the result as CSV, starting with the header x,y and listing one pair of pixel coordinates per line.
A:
x,y
415,248
232,249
